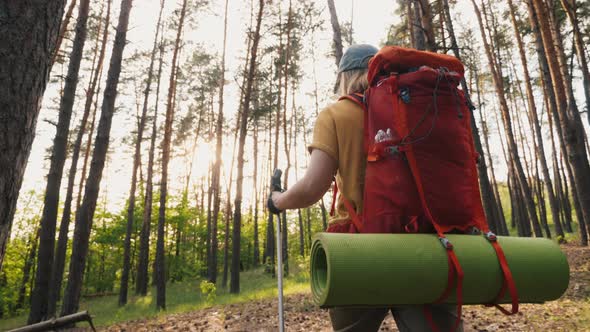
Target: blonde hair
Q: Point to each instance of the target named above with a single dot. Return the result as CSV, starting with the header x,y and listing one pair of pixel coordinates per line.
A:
x,y
352,81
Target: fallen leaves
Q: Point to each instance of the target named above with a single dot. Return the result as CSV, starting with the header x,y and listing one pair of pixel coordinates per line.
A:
x,y
570,313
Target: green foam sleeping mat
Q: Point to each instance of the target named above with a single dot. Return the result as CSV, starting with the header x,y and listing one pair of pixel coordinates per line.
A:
x,y
368,270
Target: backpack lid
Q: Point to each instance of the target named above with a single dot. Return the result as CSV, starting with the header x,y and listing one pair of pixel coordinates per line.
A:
x,y
392,59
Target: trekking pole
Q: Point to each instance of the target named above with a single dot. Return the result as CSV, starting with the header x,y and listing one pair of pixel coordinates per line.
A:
x,y
276,186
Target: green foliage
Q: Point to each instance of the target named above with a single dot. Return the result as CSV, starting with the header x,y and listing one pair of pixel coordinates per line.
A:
x,y
182,297
208,290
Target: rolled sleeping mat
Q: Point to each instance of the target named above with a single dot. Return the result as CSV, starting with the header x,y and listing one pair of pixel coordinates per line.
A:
x,y
376,270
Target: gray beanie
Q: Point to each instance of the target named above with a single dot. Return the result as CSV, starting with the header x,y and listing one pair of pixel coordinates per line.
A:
x,y
357,57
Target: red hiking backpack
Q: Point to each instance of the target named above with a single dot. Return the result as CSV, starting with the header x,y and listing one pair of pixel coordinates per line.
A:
x,y
421,173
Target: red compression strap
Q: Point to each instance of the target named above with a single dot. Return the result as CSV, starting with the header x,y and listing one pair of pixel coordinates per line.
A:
x,y
453,261
333,208
353,215
428,314
508,282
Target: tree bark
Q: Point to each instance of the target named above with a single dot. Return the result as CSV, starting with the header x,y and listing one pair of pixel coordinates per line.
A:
x,y
215,185
63,29
39,296
512,147
28,37
256,254
160,264
144,238
136,160
235,270
427,24
539,147
568,119
489,203
86,213
571,11
62,241
286,143
337,34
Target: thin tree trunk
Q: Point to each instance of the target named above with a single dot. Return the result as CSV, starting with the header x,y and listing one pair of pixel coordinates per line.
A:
x,y
419,41
39,296
235,270
86,213
568,119
539,147
427,24
287,145
28,266
570,8
123,289
160,264
256,254
62,31
215,185
136,160
62,241
144,239
28,39
337,34
512,147
487,194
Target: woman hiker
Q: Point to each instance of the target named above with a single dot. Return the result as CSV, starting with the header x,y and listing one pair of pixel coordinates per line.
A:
x,y
337,149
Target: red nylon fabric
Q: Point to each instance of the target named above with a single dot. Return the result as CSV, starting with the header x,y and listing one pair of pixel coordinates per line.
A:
x,y
443,148
394,59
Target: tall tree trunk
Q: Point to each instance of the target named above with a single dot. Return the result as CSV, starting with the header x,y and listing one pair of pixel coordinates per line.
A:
x,y
88,146
549,93
427,24
539,147
562,200
570,8
215,185
62,241
489,202
63,29
337,33
512,147
160,264
235,270
40,293
569,121
419,40
136,160
144,239
86,213
256,254
28,37
287,145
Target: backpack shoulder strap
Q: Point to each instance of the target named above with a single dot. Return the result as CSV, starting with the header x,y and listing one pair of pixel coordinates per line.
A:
x,y
357,98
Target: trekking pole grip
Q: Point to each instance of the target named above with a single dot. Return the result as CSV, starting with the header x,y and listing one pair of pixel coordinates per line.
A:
x,y
275,182
275,185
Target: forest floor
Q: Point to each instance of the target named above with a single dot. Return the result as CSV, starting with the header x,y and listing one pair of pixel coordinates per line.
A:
x,y
570,313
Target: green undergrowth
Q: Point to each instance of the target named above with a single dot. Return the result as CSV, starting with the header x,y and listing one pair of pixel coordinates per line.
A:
x,y
180,297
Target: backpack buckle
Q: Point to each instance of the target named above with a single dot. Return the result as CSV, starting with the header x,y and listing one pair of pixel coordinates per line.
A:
x,y
445,242
491,236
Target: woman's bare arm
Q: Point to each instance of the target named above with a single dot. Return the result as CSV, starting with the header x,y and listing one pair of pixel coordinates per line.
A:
x,y
312,186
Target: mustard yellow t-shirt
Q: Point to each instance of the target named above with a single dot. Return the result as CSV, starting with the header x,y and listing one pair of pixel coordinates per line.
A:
x,y
338,131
